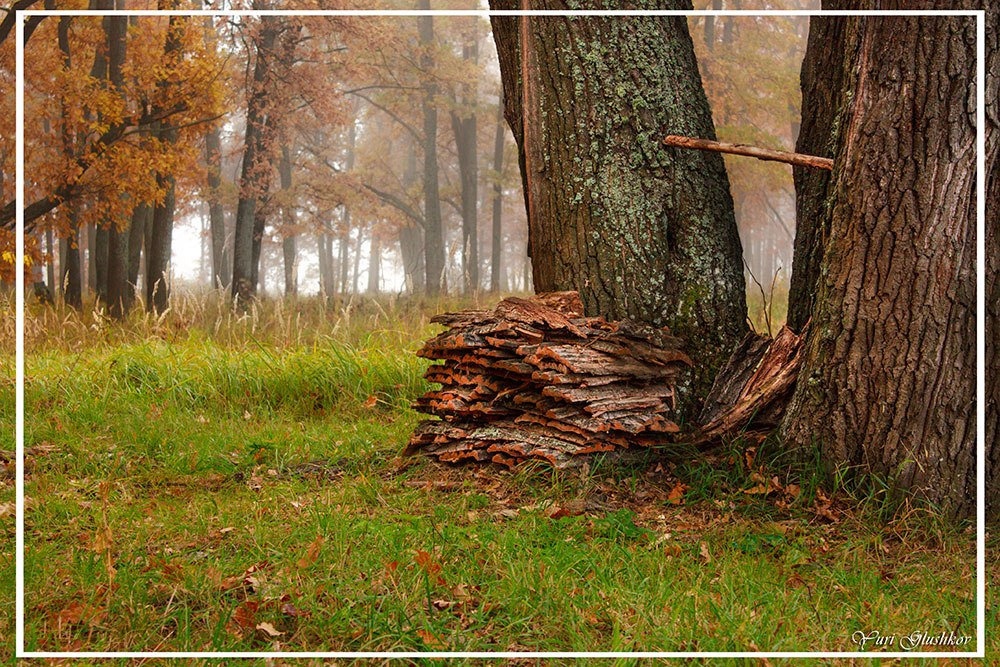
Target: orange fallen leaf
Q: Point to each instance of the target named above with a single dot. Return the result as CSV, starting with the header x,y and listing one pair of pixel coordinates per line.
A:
x,y
676,495
371,401
430,640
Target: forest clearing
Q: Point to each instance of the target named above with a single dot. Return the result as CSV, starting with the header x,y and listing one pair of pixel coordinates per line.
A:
x,y
499,331
243,475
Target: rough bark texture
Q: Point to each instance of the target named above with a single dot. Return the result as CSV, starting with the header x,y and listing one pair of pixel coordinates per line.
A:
x,y
533,379
641,230
887,384
827,74
992,259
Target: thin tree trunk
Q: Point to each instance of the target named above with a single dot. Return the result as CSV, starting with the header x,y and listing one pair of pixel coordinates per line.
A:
x,y
118,233
50,260
288,241
641,230
433,233
464,131
374,263
255,166
141,219
497,230
887,384
345,242
70,274
357,261
322,258
162,227
216,213
92,259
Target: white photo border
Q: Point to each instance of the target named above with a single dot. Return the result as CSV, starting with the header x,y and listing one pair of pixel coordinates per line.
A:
x,y
980,651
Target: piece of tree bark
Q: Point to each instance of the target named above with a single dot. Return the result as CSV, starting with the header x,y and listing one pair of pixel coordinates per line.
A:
x,y
640,230
887,385
799,159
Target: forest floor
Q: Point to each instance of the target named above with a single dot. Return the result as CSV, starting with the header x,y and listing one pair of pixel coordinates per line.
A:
x,y
203,482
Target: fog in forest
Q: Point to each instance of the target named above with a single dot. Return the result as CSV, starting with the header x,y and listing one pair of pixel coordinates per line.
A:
x,y
343,201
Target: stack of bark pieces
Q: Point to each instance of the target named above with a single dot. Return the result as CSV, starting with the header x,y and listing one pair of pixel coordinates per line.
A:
x,y
534,379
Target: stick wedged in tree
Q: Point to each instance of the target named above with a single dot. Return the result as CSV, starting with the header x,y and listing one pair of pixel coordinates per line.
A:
x,y
800,159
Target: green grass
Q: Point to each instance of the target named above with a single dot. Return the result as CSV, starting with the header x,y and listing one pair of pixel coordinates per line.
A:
x,y
195,477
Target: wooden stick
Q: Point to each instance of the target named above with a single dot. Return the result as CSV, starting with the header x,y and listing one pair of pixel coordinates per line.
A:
x,y
752,151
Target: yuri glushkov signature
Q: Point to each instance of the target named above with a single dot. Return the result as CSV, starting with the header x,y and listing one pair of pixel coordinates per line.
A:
x,y
913,641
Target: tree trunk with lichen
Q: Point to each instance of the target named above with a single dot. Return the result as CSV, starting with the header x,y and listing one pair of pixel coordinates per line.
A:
x,y
887,385
641,230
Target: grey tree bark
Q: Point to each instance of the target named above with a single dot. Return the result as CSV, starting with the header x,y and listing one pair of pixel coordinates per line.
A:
x,y
642,231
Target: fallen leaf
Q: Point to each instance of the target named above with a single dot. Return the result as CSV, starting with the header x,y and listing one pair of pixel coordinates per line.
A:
x,y
703,549
676,495
269,630
371,401
246,614
430,640
559,513
312,553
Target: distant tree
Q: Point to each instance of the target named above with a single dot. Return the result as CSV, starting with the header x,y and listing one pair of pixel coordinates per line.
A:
x,y
496,237
639,230
433,230
464,130
888,379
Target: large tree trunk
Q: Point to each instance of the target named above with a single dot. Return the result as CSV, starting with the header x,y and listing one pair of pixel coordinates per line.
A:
x,y
216,213
118,231
255,164
992,262
887,386
433,232
641,230
496,250
464,129
289,253
827,74
159,242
